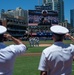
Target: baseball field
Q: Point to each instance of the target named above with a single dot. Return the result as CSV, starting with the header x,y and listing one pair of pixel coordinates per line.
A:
x,y
27,63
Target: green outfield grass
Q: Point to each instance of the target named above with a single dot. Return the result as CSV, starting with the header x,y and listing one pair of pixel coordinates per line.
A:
x,y
28,65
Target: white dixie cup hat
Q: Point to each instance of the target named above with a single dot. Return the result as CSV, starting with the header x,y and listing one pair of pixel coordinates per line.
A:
x,y
2,29
59,29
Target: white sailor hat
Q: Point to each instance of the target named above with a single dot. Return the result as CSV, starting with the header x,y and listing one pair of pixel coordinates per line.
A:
x,y
59,29
2,29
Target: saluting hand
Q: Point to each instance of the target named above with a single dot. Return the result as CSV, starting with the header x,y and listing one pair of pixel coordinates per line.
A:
x,y
8,36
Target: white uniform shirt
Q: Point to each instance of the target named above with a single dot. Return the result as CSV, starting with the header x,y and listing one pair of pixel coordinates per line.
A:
x,y
57,59
7,57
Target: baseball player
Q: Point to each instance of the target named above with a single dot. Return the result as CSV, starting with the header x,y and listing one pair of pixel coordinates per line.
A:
x,y
31,41
57,59
9,53
36,41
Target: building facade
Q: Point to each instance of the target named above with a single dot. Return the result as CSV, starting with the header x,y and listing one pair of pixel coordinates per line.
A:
x,y
47,3
56,5
72,17
16,26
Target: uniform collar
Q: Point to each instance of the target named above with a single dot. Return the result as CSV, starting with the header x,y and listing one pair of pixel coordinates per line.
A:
x,y
2,45
58,43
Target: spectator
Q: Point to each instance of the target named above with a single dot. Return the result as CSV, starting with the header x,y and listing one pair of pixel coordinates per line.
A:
x,y
57,59
8,53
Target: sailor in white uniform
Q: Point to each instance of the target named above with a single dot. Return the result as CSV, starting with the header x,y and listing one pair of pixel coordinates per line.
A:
x,y
57,59
9,53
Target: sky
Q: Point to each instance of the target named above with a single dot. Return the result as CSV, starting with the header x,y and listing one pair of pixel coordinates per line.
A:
x,y
30,4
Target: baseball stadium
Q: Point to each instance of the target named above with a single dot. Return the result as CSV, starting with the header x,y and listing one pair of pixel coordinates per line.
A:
x,y
38,36
35,34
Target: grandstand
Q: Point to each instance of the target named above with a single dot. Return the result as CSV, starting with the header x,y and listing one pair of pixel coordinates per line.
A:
x,y
39,22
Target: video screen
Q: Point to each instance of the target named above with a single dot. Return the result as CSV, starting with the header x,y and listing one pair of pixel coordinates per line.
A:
x,y
38,17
